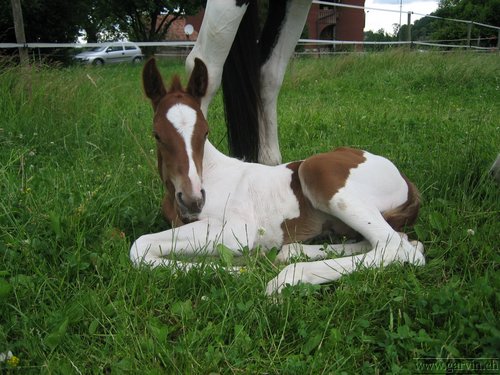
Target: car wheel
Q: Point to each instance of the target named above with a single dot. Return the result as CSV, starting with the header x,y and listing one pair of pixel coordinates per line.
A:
x,y
136,60
98,62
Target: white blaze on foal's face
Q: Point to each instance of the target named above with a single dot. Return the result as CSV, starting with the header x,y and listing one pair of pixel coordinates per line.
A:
x,y
183,118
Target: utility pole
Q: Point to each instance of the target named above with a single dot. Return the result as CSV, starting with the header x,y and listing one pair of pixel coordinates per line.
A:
x,y
17,12
408,35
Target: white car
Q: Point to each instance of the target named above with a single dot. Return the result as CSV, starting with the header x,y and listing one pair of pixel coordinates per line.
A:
x,y
116,52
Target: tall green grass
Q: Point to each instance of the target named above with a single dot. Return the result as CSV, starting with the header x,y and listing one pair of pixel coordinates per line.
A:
x,y
78,184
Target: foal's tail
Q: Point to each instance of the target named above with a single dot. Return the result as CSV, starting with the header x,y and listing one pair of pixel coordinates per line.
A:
x,y
406,214
241,88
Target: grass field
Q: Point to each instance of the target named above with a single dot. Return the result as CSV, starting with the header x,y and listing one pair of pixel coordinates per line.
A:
x,y
78,185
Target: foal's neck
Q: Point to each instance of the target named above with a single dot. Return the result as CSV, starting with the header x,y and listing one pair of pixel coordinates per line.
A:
x,y
213,158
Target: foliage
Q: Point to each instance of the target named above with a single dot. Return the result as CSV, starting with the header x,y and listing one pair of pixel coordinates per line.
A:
x,y
483,11
54,21
147,20
78,184
102,20
378,36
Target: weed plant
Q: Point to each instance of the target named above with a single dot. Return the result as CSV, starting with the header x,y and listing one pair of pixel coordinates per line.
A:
x,y
78,184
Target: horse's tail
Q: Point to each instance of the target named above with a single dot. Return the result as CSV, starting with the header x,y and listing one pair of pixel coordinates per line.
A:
x,y
241,88
406,214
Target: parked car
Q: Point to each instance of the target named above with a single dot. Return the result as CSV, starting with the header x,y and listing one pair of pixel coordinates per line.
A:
x,y
116,52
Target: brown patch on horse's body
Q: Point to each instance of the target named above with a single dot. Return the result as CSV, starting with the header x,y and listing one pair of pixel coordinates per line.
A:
x,y
169,208
310,222
324,174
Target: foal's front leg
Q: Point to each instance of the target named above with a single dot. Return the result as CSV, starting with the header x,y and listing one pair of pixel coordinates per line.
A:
x,y
190,239
197,238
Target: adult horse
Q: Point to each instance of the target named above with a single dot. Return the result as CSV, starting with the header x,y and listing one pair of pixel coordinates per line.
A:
x,y
239,204
250,67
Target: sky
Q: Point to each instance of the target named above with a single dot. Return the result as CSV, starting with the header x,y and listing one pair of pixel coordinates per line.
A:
x,y
376,20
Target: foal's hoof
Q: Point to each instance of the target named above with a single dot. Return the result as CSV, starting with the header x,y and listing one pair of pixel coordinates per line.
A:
x,y
288,252
416,257
290,275
404,236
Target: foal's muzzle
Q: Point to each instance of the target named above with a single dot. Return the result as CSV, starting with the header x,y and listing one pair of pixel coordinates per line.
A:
x,y
190,206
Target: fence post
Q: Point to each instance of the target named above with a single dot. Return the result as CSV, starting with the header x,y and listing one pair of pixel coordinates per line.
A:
x,y
17,13
469,34
408,36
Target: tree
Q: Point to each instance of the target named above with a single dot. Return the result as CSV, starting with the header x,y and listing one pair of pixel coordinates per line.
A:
x,y
377,36
61,21
147,20
44,20
54,21
482,11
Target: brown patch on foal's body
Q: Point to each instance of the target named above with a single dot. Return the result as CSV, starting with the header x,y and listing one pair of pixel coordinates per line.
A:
x,y
169,208
324,174
309,223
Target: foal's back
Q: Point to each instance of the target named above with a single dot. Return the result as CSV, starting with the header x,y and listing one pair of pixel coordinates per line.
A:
x,y
328,184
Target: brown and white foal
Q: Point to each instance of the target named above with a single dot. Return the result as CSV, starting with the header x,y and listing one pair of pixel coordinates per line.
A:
x,y
218,199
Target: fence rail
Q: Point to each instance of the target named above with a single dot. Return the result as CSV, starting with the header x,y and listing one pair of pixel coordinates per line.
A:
x,y
308,42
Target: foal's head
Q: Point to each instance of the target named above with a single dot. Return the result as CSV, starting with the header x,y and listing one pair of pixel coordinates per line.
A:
x,y
180,130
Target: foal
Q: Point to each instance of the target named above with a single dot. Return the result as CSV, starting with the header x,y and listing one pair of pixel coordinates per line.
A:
x,y
217,199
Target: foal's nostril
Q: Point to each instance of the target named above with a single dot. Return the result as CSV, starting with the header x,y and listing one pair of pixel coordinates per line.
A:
x,y
203,195
179,198
191,204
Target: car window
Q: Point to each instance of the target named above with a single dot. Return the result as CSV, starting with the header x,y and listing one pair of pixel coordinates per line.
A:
x,y
129,48
114,48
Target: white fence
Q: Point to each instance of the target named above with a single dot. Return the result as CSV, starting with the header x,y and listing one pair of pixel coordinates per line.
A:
x,y
180,48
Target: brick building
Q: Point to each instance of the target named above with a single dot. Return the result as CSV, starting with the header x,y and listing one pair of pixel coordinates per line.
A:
x,y
336,23
323,22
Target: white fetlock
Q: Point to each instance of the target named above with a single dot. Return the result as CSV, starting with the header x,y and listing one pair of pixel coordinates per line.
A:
x,y
414,253
290,275
288,252
404,236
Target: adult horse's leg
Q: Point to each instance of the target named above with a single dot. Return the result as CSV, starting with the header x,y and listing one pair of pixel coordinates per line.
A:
x,y
281,32
227,43
220,24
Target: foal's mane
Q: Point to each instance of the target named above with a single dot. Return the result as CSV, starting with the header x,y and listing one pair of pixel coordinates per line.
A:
x,y
176,84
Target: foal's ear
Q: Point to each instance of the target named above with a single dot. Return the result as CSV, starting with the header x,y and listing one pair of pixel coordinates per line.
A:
x,y
198,82
153,83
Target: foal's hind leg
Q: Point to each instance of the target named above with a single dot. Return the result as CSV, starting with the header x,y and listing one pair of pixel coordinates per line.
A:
x,y
316,252
387,246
